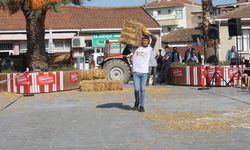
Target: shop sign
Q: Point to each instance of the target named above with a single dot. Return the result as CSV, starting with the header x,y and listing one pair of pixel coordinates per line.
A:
x,y
99,39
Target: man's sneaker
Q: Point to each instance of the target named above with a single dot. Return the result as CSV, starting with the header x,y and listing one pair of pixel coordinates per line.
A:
x,y
136,106
141,109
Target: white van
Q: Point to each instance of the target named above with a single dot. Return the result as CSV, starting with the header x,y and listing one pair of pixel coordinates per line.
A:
x,y
98,51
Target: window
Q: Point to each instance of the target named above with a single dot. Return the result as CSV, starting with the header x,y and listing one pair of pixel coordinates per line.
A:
x,y
179,14
243,41
23,47
169,11
159,12
166,29
62,45
88,43
6,46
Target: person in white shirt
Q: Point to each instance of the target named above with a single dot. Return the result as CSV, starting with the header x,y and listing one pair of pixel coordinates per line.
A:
x,y
141,57
152,66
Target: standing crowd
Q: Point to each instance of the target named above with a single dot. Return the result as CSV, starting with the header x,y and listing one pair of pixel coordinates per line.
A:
x,y
164,62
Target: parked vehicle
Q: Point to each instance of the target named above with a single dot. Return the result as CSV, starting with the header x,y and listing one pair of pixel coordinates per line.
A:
x,y
96,61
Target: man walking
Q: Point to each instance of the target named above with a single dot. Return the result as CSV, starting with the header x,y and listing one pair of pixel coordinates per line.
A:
x,y
141,57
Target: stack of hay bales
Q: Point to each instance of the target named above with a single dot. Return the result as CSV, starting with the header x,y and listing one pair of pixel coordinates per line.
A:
x,y
132,33
95,80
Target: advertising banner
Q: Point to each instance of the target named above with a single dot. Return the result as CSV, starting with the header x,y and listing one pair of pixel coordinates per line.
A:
x,y
22,80
74,76
43,79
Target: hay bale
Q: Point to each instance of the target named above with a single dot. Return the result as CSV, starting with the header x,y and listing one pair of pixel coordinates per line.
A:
x,y
114,85
100,85
99,74
87,75
87,86
132,33
59,58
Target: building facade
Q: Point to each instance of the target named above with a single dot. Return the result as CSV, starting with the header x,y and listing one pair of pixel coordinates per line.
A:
x,y
93,24
225,8
174,14
241,42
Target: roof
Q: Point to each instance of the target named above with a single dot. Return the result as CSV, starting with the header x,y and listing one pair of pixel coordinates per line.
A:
x,y
169,3
75,17
243,12
181,35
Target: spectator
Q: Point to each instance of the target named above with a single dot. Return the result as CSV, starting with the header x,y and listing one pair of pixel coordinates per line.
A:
x,y
159,60
199,57
7,63
152,66
175,55
193,57
232,56
167,60
187,57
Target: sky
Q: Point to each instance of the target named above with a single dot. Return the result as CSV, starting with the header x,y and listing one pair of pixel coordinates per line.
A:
x,y
137,2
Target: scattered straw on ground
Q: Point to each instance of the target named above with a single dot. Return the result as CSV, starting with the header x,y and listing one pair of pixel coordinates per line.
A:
x,y
8,96
210,123
157,91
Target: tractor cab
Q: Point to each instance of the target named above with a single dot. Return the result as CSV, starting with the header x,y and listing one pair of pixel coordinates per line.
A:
x,y
115,61
113,48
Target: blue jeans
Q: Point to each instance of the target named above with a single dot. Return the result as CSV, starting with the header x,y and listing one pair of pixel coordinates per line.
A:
x,y
140,80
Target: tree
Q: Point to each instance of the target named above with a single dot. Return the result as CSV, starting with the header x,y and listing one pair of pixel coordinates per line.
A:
x,y
210,44
34,12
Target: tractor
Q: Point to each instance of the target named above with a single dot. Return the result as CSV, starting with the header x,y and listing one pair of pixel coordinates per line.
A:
x,y
117,61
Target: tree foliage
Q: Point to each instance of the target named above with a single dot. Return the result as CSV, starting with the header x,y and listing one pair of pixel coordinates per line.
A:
x,y
34,7
35,14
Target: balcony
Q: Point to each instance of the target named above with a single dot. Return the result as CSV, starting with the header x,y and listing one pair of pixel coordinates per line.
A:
x,y
165,17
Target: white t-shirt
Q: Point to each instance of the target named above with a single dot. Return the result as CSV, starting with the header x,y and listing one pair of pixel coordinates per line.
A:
x,y
152,61
233,55
141,58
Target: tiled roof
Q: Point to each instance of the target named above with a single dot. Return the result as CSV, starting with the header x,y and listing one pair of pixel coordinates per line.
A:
x,y
243,12
169,3
181,35
73,17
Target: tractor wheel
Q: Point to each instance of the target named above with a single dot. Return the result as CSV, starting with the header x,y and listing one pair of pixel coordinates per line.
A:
x,y
117,70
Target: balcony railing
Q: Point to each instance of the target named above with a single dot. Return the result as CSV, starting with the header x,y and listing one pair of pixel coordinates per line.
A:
x,y
165,17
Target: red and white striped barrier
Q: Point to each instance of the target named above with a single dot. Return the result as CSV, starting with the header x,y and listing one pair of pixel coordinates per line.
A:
x,y
35,82
202,75
194,75
40,82
229,75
